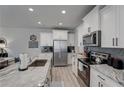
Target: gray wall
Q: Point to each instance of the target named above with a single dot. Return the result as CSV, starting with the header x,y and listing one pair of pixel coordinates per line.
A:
x,y
17,40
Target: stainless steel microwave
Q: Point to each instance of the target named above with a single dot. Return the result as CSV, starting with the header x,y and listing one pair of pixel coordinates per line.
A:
x,y
92,39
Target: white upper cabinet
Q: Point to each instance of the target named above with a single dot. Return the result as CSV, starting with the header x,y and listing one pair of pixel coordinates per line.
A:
x,y
112,26
71,39
46,39
108,26
91,23
93,19
120,37
60,35
79,32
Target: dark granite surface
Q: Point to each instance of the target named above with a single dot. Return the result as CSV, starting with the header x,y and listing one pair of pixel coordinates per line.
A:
x,y
48,49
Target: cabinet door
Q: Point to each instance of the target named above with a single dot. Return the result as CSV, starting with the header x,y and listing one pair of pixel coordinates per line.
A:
x,y
108,26
92,19
73,62
75,65
121,32
69,58
117,25
42,39
110,83
60,34
93,78
64,35
98,79
71,39
49,39
46,39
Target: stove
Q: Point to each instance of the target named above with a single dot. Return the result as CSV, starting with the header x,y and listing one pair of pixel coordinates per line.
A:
x,y
84,64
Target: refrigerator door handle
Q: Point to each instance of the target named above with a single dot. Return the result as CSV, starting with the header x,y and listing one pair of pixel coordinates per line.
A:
x,y
60,54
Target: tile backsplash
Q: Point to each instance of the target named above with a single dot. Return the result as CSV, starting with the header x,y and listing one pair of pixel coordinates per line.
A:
x,y
70,49
115,52
46,49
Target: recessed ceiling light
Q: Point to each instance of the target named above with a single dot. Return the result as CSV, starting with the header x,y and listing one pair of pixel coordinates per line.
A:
x,y
39,22
31,9
63,11
60,23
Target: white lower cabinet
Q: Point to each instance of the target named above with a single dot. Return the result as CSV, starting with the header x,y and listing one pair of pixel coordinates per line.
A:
x,y
93,78
69,58
48,79
75,65
97,79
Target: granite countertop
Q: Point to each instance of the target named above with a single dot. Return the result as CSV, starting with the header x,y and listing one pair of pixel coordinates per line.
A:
x,y
114,74
6,58
11,77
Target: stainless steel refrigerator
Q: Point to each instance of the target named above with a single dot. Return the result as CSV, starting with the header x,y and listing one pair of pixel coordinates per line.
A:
x,y
60,52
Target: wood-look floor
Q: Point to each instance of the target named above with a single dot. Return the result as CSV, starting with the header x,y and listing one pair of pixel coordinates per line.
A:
x,y
64,76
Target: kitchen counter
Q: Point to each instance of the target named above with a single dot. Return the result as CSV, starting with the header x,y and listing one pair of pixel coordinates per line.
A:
x,y
11,77
114,74
6,59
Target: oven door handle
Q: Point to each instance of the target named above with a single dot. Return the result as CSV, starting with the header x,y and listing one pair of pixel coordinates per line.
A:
x,y
85,65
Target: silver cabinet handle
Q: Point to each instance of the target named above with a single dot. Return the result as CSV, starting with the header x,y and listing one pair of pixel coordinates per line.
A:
x,y
100,77
98,84
113,40
116,41
101,85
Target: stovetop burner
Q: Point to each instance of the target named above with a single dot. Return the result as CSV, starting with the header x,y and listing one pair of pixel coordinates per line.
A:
x,y
84,64
103,57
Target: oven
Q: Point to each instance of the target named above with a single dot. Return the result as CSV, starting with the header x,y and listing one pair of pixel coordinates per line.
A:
x,y
84,71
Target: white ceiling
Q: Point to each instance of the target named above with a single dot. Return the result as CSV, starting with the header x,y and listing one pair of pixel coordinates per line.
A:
x,y
49,15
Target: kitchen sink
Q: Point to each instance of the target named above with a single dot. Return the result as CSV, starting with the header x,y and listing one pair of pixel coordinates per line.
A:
x,y
38,63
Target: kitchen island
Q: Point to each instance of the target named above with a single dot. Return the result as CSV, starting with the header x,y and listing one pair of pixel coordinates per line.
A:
x,y
32,77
